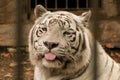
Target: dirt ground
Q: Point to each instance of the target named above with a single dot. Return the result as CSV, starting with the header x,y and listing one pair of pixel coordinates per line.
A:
x,y
9,64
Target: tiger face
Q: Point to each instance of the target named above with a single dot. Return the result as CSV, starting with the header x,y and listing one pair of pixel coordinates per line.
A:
x,y
56,38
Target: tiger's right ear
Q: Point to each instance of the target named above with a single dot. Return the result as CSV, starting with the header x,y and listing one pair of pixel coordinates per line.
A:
x,y
39,10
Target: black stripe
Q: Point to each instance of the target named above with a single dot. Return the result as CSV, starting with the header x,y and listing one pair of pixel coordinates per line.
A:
x,y
76,48
74,38
68,23
61,23
77,74
77,26
39,31
34,44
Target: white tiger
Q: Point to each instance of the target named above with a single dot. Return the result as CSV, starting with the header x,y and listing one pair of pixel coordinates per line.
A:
x,y
62,48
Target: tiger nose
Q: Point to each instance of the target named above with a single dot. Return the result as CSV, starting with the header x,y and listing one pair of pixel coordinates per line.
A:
x,y
50,45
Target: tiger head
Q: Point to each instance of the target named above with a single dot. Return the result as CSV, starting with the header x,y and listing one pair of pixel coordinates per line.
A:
x,y
57,38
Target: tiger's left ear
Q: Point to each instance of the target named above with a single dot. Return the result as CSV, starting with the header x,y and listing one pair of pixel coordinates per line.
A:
x,y
85,17
39,11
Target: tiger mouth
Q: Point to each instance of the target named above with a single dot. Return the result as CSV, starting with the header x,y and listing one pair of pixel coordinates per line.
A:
x,y
57,58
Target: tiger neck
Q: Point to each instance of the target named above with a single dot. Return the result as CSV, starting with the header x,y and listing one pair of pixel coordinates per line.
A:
x,y
76,74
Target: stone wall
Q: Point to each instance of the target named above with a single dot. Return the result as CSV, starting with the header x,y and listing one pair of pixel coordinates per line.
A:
x,y
7,11
110,8
8,18
9,22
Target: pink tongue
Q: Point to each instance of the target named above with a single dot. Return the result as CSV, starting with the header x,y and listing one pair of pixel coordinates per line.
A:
x,y
50,56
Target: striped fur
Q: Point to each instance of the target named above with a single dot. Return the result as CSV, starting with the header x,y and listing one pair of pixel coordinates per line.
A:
x,y
72,43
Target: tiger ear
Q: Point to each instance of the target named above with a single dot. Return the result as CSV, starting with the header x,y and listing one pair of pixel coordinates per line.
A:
x,y
39,10
85,17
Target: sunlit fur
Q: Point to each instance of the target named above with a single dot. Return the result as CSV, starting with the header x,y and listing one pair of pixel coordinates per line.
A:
x,y
75,51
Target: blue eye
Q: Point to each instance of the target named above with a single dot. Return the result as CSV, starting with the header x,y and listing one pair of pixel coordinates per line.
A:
x,y
44,29
66,33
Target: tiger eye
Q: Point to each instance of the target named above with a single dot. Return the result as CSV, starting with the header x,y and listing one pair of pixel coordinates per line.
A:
x,y
44,29
66,33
